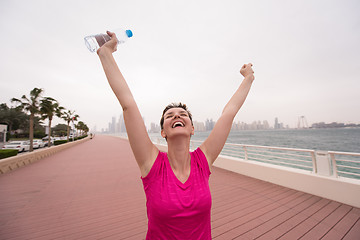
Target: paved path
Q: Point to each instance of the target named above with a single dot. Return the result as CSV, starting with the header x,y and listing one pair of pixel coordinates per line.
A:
x,y
94,191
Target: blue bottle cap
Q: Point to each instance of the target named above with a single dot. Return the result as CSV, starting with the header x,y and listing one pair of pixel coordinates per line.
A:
x,y
129,33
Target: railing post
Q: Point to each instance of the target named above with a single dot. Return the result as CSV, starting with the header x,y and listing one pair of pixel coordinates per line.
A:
x,y
334,166
246,154
314,161
323,163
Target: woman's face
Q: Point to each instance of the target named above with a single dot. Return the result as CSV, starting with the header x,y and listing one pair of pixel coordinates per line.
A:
x,y
177,122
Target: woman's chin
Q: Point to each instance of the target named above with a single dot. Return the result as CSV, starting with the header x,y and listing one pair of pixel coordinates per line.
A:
x,y
179,133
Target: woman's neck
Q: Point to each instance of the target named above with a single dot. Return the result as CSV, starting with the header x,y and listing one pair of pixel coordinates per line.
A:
x,y
178,154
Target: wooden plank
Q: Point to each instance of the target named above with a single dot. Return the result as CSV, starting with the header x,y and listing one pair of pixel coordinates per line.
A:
x,y
295,216
354,232
345,225
325,225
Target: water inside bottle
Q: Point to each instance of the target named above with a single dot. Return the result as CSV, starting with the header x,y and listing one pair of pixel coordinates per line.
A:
x,y
102,39
93,43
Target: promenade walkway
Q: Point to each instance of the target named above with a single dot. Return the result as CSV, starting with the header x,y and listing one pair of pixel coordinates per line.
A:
x,y
94,191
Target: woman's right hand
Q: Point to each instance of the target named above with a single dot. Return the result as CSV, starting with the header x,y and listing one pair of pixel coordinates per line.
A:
x,y
111,45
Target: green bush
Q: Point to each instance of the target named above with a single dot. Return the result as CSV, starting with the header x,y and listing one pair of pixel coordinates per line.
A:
x,y
81,137
4,153
39,134
58,142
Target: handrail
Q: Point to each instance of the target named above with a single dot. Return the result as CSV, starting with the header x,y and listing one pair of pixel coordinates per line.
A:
x,y
328,163
345,153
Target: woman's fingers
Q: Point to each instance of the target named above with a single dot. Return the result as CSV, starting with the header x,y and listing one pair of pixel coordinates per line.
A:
x,y
247,70
111,34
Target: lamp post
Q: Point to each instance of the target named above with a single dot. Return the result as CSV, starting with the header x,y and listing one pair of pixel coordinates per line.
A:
x,y
4,139
3,129
73,128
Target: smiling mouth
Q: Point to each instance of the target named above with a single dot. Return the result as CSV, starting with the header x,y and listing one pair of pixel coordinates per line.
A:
x,y
177,124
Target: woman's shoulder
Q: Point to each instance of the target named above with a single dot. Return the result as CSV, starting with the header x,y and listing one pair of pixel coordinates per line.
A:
x,y
199,153
156,165
200,159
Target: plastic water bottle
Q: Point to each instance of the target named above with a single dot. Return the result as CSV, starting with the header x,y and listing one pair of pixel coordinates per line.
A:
x,y
94,42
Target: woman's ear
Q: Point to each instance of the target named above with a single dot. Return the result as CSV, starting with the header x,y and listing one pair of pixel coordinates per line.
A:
x,y
163,133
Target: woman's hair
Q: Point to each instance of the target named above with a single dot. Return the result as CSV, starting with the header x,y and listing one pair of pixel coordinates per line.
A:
x,y
174,105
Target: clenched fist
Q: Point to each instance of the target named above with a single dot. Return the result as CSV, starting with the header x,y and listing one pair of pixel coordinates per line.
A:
x,y
247,71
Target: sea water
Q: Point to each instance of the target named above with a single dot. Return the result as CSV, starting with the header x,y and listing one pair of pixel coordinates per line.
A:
x,y
329,139
325,139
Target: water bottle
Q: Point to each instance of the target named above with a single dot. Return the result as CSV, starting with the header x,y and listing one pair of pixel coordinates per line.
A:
x,y
94,42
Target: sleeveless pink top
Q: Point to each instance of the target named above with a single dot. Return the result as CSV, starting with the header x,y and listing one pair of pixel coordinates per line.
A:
x,y
178,210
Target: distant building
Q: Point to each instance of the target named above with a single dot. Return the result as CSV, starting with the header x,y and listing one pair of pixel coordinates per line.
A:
x,y
199,126
209,124
277,124
121,124
266,124
256,125
331,125
113,125
154,128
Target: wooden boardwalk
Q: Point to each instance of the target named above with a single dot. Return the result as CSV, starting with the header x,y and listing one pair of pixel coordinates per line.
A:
x,y
94,191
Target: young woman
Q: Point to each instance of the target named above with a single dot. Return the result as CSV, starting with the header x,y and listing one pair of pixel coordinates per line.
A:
x,y
175,183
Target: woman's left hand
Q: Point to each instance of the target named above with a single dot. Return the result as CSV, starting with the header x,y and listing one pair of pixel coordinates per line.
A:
x,y
247,71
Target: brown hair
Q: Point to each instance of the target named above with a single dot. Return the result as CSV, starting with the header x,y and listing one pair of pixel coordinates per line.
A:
x,y
174,105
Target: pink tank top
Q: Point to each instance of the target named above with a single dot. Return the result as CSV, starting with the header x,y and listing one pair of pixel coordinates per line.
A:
x,y
178,210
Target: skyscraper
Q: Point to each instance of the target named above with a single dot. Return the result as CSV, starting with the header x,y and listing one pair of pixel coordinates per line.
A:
x,y
276,125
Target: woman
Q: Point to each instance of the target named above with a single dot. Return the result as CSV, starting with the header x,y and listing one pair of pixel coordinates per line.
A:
x,y
175,183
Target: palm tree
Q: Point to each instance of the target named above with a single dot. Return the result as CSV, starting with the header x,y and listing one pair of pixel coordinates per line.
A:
x,y
48,108
77,127
32,106
68,117
86,129
82,127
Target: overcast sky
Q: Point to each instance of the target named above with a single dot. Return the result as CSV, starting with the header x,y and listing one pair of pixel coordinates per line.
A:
x,y
306,56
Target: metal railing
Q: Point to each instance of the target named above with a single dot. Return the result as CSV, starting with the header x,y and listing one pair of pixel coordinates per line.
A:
x,y
288,157
326,163
345,164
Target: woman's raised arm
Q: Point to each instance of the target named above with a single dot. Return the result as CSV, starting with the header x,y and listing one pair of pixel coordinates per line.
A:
x,y
144,150
213,145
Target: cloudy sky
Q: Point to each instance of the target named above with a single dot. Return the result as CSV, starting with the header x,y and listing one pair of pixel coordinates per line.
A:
x,y
306,56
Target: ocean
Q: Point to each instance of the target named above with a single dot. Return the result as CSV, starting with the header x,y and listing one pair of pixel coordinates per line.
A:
x,y
327,139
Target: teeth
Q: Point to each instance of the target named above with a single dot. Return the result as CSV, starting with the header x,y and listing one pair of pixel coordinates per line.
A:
x,y
177,124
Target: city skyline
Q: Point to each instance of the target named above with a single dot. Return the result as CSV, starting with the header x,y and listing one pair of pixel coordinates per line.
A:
x,y
117,125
